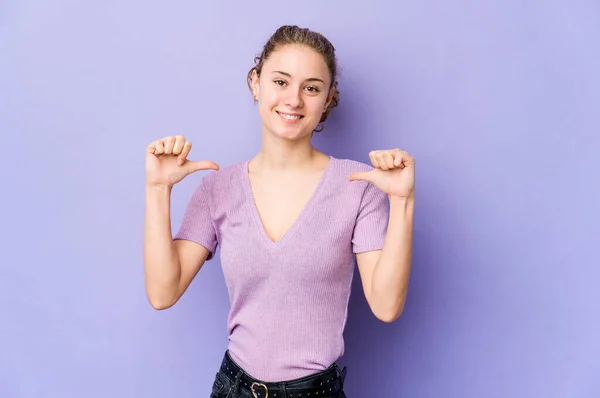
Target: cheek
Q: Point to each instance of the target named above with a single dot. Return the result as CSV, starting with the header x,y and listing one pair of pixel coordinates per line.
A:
x,y
269,99
315,106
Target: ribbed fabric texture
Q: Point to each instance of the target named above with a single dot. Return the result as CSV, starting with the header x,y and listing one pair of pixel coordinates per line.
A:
x,y
288,298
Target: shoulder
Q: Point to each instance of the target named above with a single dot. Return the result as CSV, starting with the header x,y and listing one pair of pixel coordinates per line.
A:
x,y
349,165
343,168
224,174
350,198
218,184
361,190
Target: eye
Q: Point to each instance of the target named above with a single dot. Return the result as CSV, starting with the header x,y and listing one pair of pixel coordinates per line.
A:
x,y
313,89
279,82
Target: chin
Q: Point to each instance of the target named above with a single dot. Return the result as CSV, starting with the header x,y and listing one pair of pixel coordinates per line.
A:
x,y
290,134
295,132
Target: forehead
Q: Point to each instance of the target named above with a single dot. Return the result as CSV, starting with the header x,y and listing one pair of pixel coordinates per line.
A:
x,y
299,61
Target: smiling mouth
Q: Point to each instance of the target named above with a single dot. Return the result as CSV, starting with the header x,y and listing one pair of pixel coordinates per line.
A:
x,y
289,116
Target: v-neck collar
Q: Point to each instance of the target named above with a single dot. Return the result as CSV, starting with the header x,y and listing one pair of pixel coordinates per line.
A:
x,y
295,225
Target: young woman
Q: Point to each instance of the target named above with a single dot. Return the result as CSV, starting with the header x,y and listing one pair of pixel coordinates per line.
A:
x,y
289,222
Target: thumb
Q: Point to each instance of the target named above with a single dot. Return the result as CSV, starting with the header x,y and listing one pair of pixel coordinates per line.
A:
x,y
201,165
361,176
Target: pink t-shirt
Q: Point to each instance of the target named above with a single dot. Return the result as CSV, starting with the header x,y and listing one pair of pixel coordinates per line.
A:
x,y
288,298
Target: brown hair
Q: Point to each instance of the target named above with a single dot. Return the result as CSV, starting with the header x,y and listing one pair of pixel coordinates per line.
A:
x,y
291,34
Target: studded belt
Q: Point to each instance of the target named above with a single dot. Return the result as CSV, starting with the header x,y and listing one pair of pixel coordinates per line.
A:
x,y
326,383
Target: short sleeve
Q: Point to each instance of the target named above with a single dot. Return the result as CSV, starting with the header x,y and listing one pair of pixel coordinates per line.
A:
x,y
372,221
197,224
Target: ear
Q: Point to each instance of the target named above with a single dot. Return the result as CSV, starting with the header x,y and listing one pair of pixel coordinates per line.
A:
x,y
255,84
329,98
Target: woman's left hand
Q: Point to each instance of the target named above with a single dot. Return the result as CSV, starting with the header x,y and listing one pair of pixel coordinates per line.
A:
x,y
394,173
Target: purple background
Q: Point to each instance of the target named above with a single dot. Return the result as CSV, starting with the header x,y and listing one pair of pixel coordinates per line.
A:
x,y
498,102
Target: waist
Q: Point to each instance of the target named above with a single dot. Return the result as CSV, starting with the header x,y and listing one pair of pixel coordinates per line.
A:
x,y
327,382
296,349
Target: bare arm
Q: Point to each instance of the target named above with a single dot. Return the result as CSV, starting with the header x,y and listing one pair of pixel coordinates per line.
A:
x,y
385,273
169,266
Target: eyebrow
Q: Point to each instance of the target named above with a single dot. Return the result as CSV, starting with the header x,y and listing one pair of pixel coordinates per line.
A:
x,y
312,79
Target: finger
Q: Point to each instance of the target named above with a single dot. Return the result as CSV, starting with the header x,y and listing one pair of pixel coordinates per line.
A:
x,y
406,159
360,176
380,156
159,147
151,148
374,160
398,157
388,159
178,145
202,165
187,147
169,142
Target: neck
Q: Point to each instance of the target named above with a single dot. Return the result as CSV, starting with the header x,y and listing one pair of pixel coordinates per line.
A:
x,y
279,154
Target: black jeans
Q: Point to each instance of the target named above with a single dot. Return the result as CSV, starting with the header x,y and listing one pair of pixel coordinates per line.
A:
x,y
232,382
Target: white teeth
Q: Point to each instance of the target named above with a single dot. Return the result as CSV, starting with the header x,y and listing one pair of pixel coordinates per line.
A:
x,y
290,117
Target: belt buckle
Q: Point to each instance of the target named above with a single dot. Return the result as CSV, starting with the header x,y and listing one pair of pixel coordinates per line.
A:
x,y
255,384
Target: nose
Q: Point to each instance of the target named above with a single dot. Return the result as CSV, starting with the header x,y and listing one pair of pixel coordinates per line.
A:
x,y
294,99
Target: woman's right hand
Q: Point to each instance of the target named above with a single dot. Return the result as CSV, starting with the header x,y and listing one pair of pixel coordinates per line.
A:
x,y
167,163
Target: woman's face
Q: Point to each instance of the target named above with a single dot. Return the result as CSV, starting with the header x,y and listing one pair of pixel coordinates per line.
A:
x,y
292,91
